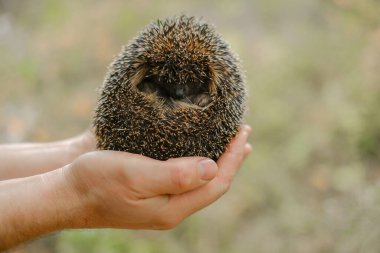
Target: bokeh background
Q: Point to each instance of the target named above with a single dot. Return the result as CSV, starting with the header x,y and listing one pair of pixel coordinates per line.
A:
x,y
313,71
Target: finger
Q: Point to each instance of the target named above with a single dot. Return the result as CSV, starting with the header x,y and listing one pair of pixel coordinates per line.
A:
x,y
230,162
151,177
190,202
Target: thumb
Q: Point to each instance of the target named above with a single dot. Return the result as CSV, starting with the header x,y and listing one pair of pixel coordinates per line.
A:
x,y
176,175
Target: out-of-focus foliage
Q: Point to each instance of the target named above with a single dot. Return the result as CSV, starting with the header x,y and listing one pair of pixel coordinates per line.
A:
x,y
369,138
313,70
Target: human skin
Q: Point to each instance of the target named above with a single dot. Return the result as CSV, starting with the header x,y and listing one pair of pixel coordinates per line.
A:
x,y
98,189
28,159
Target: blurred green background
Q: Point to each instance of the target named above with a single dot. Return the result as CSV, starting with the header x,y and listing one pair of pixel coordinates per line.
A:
x,y
313,70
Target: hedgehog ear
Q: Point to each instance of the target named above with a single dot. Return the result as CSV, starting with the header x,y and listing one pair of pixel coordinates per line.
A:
x,y
138,76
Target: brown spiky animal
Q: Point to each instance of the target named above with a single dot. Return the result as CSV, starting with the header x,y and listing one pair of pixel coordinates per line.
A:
x,y
175,90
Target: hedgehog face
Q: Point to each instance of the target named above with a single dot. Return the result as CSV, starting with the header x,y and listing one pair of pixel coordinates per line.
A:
x,y
181,86
177,90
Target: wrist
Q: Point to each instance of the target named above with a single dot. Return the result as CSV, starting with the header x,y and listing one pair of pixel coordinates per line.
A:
x,y
34,206
63,202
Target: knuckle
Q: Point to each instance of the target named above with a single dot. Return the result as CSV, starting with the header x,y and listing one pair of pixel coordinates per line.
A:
x,y
181,177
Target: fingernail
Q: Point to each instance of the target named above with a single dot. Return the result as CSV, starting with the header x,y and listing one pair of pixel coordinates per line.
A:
x,y
248,148
207,169
247,128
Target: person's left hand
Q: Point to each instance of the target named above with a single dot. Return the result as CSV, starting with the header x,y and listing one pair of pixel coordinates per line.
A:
x,y
124,190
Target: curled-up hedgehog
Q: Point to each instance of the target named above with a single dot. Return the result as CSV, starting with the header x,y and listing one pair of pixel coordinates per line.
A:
x,y
175,90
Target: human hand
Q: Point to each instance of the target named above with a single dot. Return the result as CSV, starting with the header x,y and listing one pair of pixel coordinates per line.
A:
x,y
124,190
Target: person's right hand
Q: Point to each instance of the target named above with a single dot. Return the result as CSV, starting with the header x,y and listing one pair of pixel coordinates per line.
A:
x,y
124,190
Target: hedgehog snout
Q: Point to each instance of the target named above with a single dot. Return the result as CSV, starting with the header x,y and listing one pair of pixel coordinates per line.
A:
x,y
178,93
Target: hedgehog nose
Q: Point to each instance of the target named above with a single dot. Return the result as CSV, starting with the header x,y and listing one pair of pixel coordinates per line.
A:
x,y
179,93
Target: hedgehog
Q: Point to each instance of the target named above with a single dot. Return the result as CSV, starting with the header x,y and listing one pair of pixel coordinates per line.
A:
x,y
175,90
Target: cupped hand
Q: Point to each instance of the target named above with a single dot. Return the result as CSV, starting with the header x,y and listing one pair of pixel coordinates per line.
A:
x,y
124,190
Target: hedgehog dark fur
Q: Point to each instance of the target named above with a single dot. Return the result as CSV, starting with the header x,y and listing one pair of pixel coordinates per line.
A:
x,y
175,90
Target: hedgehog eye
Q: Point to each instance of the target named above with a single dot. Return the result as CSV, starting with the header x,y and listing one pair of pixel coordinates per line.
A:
x,y
147,86
150,85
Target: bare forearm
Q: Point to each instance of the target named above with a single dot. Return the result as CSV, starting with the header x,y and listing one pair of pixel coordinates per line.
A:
x,y
34,206
22,160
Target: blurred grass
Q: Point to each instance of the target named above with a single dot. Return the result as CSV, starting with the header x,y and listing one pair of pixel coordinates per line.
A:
x,y
312,182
